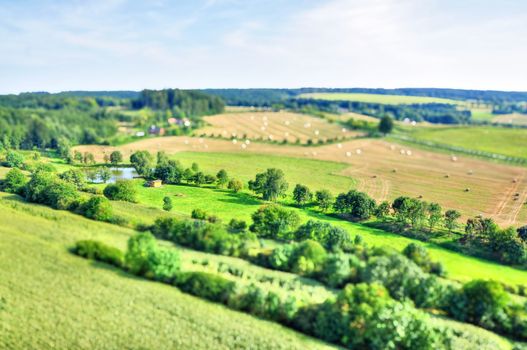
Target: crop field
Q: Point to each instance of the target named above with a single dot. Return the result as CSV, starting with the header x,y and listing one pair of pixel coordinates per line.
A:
x,y
505,141
376,98
278,126
514,119
383,169
101,307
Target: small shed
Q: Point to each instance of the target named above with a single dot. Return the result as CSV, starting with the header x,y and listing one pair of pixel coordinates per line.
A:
x,y
154,183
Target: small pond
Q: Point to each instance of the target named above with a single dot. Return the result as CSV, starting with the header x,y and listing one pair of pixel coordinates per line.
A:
x,y
118,173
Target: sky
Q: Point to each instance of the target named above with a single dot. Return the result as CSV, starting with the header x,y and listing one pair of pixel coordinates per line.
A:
x,y
55,45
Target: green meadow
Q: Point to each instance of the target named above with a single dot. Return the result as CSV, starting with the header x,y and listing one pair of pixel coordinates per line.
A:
x,y
51,299
376,98
493,139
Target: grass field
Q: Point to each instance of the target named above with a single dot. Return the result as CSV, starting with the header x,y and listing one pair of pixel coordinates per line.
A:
x,y
277,126
227,205
376,98
383,169
51,299
505,141
514,119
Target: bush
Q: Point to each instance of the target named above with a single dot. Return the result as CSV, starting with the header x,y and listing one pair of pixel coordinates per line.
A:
x,y
329,236
199,214
75,177
14,159
235,185
340,269
356,204
122,190
482,303
164,264
14,181
97,208
99,251
205,285
236,226
308,258
62,195
419,255
140,247
273,221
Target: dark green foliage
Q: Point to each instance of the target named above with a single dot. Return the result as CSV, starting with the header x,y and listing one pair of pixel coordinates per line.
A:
x,y
340,269
382,210
522,233
121,190
302,194
183,103
237,226
75,177
205,285
169,171
386,124
271,184
409,211
356,204
116,157
273,221
482,303
202,235
308,258
324,199
14,181
14,159
199,214
419,255
143,163
364,317
223,178
47,188
167,204
97,208
433,215
99,251
329,236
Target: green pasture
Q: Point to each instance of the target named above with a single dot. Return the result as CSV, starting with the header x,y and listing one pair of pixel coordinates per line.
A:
x,y
51,299
376,98
506,141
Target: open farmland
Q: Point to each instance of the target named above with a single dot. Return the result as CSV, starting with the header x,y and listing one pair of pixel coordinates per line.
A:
x,y
376,98
278,126
499,140
51,299
514,119
382,169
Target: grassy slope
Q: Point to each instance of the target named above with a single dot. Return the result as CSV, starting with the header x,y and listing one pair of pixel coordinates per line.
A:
x,y
376,98
227,206
50,299
506,141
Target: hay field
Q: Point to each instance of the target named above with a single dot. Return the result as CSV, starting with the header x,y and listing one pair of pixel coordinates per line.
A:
x,y
382,169
376,98
277,126
514,119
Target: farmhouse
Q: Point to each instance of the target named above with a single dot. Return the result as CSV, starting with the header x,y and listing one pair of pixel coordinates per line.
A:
x,y
154,183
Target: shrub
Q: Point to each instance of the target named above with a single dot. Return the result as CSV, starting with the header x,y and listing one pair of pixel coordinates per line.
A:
x,y
97,208
199,214
122,190
419,255
205,285
356,204
164,264
273,221
99,251
308,258
329,236
137,257
302,194
75,177
61,195
482,303
324,198
340,269
14,159
235,185
14,181
236,226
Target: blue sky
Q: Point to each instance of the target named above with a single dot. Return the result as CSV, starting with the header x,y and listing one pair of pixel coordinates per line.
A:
x,y
54,45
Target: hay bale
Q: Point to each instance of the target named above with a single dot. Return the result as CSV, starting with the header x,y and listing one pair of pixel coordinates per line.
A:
x,y
467,189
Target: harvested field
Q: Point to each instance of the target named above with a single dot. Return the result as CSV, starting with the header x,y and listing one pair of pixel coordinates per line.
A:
x,y
384,170
276,126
